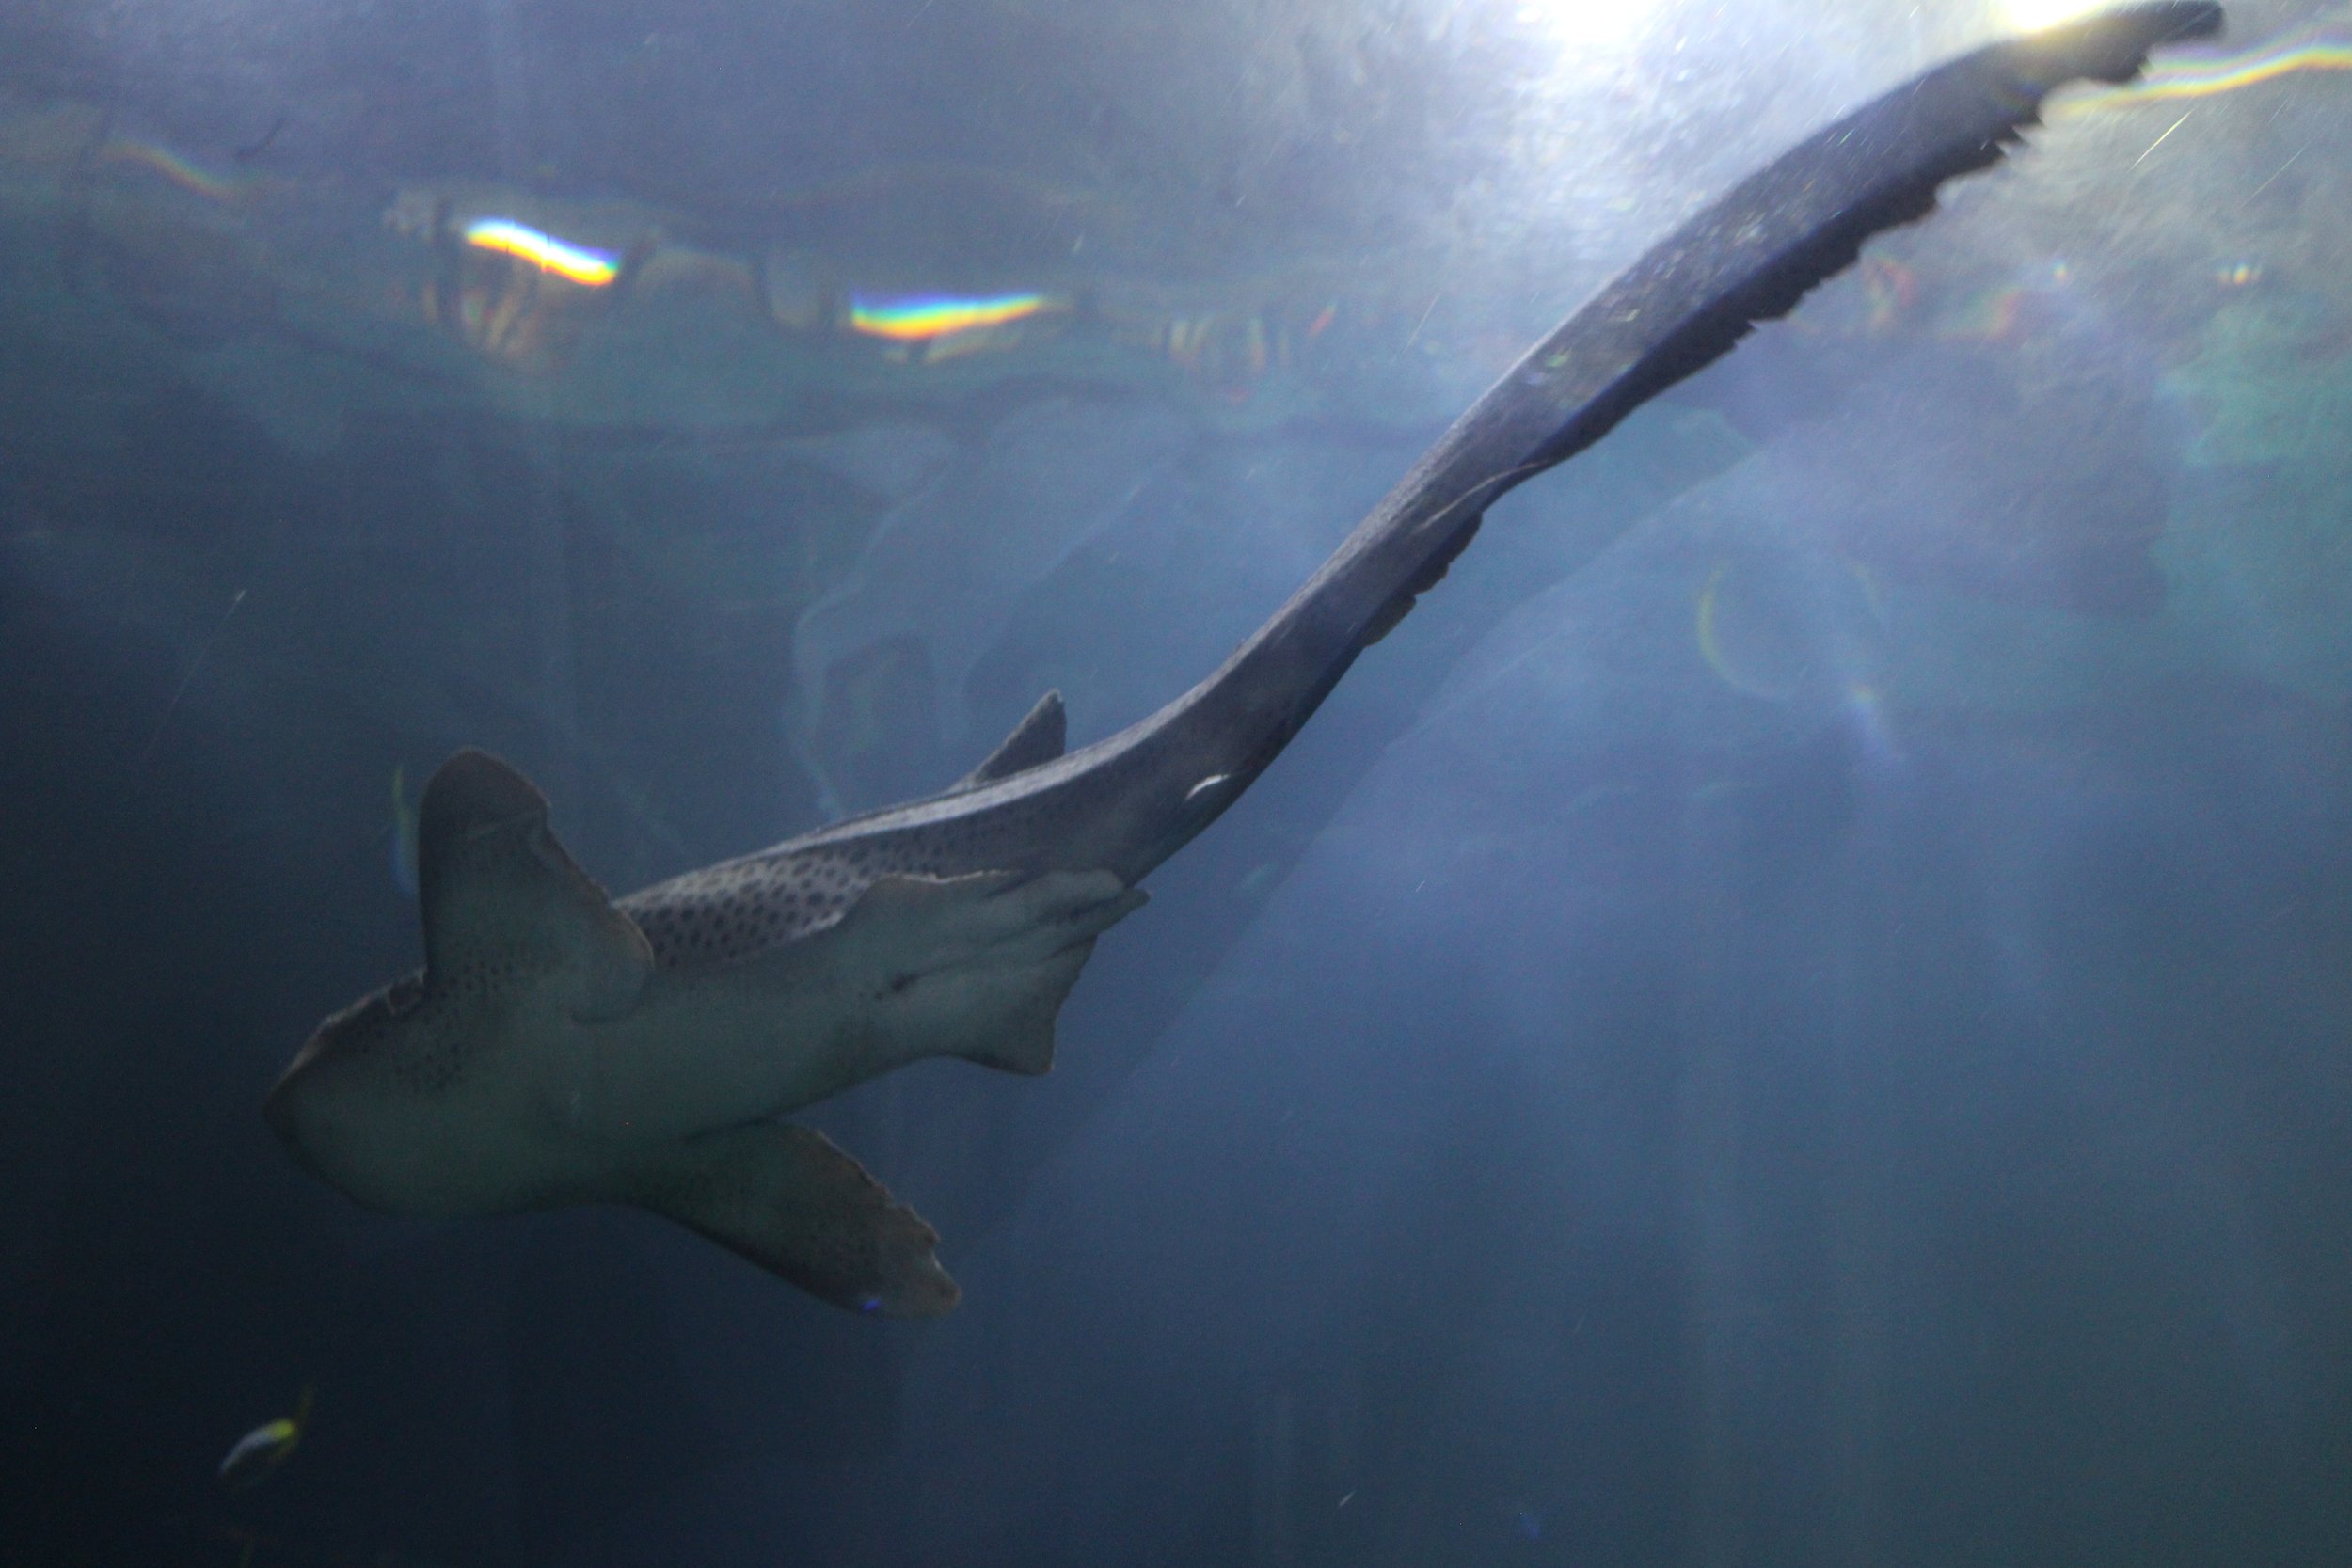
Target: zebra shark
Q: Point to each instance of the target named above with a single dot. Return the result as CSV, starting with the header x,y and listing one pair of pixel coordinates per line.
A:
x,y
561,1047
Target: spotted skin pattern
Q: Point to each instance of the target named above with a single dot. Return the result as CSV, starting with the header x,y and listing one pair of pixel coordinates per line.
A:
x,y
740,909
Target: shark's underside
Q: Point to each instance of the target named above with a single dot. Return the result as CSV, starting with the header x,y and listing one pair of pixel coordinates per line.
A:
x,y
559,1047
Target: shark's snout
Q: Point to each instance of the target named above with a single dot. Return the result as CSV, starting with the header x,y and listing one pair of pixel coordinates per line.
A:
x,y
358,1129
278,1113
279,1110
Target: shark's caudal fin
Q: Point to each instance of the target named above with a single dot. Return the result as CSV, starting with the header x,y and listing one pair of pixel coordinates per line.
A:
x,y
787,1200
1747,257
1038,738
504,903
976,967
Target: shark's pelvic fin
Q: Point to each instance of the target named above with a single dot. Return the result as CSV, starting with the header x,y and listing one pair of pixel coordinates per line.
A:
x,y
976,967
1039,737
506,906
791,1202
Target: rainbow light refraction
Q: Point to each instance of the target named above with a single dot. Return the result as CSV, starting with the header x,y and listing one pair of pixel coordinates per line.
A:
x,y
181,172
593,268
2306,49
933,316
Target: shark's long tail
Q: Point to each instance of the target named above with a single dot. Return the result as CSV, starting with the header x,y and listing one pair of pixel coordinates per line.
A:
x,y
1749,257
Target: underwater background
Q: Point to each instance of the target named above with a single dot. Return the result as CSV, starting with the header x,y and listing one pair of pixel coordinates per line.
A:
x,y
1798,1012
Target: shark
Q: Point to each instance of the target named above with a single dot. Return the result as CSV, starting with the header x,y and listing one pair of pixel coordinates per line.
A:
x,y
560,1046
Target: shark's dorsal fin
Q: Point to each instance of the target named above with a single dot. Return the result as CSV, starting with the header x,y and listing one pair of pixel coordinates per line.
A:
x,y
505,905
1039,737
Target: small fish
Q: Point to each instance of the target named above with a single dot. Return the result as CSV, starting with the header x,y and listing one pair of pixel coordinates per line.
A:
x,y
403,835
258,1453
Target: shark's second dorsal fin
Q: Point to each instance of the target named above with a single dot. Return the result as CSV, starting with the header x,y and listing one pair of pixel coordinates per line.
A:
x,y
506,906
1039,737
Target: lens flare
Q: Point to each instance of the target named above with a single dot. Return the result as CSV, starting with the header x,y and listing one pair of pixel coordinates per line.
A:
x,y
913,319
2185,75
590,268
177,168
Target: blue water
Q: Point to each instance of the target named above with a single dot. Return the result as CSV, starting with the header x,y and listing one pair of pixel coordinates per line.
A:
x,y
1795,1012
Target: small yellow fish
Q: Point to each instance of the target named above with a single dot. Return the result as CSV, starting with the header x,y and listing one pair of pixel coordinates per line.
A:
x,y
258,1453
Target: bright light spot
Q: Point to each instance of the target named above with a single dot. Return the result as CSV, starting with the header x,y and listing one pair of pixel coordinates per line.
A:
x,y
593,268
2028,16
1588,22
931,316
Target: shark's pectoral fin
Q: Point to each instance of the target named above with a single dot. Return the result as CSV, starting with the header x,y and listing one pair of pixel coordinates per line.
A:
x,y
977,966
791,1202
504,904
1042,736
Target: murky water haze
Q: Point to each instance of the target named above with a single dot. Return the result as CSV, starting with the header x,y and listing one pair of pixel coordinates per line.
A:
x,y
1793,1012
